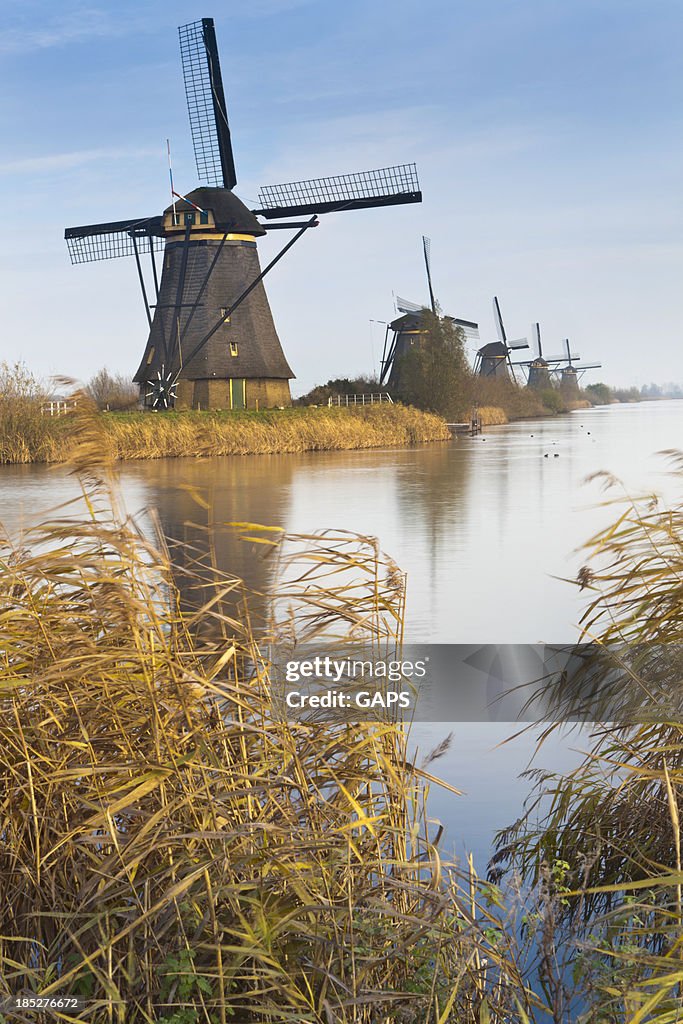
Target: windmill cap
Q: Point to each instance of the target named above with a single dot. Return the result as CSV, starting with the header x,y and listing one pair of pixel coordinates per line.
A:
x,y
494,348
229,212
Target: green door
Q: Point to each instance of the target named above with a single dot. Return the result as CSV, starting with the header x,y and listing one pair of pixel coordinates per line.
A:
x,y
237,393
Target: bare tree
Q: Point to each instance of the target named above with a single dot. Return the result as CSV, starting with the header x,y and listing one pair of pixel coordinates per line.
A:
x,y
113,392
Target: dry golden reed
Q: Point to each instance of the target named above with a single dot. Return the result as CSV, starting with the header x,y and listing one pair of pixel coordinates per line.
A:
x,y
614,821
490,415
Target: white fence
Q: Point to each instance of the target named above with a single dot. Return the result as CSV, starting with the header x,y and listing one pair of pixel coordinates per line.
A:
x,y
58,407
374,399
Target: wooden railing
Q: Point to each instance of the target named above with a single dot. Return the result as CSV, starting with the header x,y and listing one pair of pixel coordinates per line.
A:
x,y
374,399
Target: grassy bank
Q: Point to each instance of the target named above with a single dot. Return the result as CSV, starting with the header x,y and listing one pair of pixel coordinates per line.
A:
x,y
27,436
525,406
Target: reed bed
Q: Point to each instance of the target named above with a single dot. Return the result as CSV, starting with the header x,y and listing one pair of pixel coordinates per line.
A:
x,y
614,823
25,434
491,415
36,438
171,849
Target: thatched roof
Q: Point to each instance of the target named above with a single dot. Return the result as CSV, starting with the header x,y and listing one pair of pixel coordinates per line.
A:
x,y
229,212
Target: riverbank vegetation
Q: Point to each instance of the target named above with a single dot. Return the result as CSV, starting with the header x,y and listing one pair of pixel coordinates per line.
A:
x,y
28,435
175,852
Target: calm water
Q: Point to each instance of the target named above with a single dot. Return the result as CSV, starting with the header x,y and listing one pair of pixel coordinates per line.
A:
x,y
486,528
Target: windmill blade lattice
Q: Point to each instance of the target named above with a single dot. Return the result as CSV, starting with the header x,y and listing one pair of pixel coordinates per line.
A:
x,y
386,186
92,242
206,104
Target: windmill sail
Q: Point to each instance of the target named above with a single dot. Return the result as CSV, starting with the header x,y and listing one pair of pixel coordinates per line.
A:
x,y
406,306
498,319
563,358
92,242
387,186
468,328
206,104
426,248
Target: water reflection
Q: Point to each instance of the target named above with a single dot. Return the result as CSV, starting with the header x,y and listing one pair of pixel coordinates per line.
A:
x,y
196,502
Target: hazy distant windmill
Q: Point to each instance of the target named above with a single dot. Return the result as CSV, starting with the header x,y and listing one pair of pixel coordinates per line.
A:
x,y
408,330
539,369
572,372
493,360
212,341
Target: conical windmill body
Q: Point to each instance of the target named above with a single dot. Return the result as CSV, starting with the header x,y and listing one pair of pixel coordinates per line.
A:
x,y
409,331
494,359
212,340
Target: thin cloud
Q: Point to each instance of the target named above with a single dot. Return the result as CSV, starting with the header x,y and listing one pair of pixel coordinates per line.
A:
x,y
50,162
83,23
265,8
72,26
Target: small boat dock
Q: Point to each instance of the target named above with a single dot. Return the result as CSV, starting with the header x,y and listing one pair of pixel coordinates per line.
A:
x,y
470,428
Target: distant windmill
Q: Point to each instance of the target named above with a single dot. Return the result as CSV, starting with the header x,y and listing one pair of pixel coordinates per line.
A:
x,y
571,373
539,369
493,360
212,341
408,330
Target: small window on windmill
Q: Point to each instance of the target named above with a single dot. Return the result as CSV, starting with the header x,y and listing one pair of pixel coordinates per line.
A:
x,y
189,218
233,348
150,357
224,314
203,217
175,219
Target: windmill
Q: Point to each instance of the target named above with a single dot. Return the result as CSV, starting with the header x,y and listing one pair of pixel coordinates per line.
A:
x,y
408,330
493,360
539,368
212,341
572,372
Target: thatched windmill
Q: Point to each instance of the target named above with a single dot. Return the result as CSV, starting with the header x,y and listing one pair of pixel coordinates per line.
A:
x,y
572,372
408,330
212,341
539,368
494,360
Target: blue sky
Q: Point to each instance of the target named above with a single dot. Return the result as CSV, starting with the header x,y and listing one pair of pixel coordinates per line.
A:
x,y
547,137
